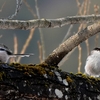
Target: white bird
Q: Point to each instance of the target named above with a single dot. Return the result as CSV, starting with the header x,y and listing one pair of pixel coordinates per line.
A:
x,y
6,53
92,66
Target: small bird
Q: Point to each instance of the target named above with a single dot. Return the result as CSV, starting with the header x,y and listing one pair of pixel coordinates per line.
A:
x,y
6,53
92,66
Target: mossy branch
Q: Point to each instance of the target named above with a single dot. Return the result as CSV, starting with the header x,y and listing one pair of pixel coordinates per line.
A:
x,y
36,82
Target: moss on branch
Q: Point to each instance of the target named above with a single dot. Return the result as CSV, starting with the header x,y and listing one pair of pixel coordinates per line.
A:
x,y
44,81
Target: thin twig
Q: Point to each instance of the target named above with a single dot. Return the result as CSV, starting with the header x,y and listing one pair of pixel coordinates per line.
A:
x,y
40,31
2,6
15,44
31,31
80,7
80,52
12,59
96,10
26,44
86,11
68,33
18,6
79,29
79,58
30,9
40,52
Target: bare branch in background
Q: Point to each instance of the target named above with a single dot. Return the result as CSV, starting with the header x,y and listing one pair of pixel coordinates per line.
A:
x,y
2,6
18,5
80,51
80,8
47,23
13,59
68,33
79,58
41,57
96,10
30,9
15,44
40,52
40,31
86,11
26,43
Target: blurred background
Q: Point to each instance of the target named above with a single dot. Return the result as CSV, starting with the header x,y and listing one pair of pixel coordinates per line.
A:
x,y
51,37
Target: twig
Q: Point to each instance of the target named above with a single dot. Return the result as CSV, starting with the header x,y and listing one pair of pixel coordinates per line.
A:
x,y
87,41
2,6
13,59
80,7
96,10
40,31
80,51
68,33
79,58
79,29
86,11
40,51
15,45
30,9
18,5
27,43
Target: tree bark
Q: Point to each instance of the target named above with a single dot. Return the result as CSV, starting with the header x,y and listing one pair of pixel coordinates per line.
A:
x,y
44,82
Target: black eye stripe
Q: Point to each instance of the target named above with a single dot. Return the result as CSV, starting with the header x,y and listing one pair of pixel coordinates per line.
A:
x,y
2,49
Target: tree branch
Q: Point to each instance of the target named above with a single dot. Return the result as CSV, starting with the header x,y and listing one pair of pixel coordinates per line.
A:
x,y
43,82
18,5
47,23
58,54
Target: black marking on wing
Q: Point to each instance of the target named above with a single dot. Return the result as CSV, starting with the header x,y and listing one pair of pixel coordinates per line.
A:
x,y
7,51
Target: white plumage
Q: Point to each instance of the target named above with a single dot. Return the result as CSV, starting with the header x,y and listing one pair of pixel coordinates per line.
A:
x,y
92,66
6,53
4,57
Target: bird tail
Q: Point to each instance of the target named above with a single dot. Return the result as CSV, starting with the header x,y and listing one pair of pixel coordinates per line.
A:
x,y
22,55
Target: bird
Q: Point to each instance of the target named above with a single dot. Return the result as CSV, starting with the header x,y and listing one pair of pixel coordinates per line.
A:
x,y
6,53
92,66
